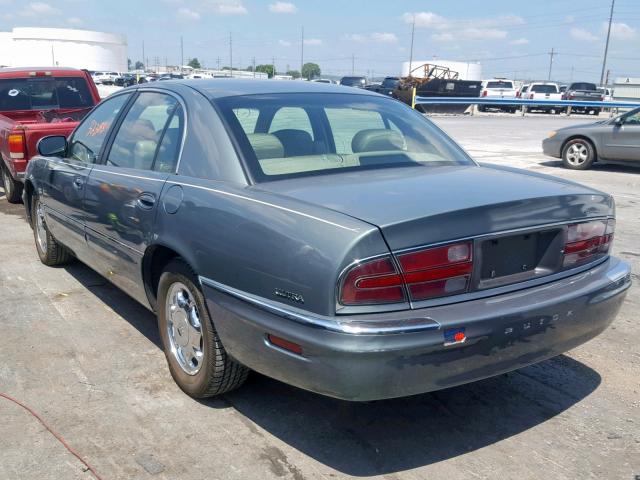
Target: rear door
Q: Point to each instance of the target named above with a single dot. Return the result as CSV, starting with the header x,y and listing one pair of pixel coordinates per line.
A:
x,y
123,190
622,142
63,190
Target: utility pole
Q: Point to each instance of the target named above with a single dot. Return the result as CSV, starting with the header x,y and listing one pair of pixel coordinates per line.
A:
x,y
53,57
571,77
273,65
218,63
551,55
144,65
231,54
181,53
413,31
254,67
606,45
301,50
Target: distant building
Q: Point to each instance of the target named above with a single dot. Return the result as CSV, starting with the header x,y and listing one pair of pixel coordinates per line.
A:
x,y
626,88
465,70
63,47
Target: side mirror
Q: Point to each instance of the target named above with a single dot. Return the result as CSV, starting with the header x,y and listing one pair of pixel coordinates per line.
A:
x,y
52,146
618,121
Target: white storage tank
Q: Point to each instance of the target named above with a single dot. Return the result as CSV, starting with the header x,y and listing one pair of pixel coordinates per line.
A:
x,y
466,70
63,47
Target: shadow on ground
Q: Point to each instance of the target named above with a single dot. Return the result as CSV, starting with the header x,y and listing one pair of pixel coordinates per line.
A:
x,y
374,438
603,167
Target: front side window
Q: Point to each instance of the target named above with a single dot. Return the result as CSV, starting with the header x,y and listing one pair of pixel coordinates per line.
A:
x,y
141,132
632,118
89,137
330,133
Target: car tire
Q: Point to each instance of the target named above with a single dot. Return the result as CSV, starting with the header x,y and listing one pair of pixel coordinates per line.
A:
x,y
12,188
578,154
51,252
482,108
197,360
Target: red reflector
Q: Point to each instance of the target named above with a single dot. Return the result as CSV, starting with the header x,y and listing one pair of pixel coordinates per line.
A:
x,y
459,336
285,344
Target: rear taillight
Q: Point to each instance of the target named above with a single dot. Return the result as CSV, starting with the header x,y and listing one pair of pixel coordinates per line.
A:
x,y
376,281
429,273
484,93
531,96
587,240
571,97
16,145
437,272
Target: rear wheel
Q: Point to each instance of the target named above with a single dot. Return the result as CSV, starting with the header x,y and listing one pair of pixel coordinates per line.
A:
x,y
578,154
12,188
197,360
51,253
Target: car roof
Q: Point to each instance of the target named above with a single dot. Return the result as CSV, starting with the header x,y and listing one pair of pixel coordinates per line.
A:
x,y
215,88
19,72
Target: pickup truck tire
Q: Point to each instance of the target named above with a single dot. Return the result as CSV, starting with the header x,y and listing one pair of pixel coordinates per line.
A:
x,y
51,253
197,360
578,154
12,188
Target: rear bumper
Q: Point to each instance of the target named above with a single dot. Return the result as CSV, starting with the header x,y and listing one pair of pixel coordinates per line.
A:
x,y
503,333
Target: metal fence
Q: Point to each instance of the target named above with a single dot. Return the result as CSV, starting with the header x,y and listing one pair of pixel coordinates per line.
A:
x,y
488,101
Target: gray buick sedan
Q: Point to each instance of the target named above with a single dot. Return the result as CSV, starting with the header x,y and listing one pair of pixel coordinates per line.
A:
x,y
614,141
332,239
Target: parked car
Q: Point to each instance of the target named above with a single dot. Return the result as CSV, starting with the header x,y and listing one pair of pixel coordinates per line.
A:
x,y
322,80
125,80
342,243
498,88
105,78
584,92
359,82
545,91
614,141
387,87
522,91
34,103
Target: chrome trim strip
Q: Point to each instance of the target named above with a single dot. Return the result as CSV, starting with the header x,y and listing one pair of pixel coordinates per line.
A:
x,y
109,172
333,324
261,202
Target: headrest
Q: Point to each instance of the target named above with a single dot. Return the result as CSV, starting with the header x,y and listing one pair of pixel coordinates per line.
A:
x,y
295,142
265,145
377,139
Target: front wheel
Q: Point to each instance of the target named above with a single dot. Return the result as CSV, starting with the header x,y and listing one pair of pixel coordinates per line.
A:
x,y
578,154
197,360
12,188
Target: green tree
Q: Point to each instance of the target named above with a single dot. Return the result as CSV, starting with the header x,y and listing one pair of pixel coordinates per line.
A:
x,y
194,63
310,70
268,69
138,65
129,63
294,73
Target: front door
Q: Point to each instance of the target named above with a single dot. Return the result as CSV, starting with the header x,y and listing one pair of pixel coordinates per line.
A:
x,y
622,142
64,189
124,189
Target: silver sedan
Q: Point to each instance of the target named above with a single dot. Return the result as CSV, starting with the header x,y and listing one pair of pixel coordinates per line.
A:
x,y
614,141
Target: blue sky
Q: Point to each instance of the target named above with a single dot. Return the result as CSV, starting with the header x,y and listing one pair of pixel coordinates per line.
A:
x,y
498,33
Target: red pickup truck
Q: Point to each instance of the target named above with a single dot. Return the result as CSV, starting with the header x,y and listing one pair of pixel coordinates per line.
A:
x,y
35,103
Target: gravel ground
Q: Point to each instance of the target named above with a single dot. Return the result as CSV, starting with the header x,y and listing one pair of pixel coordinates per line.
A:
x,y
88,359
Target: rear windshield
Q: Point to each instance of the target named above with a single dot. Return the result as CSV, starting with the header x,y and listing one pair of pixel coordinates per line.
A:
x,y
350,81
390,82
44,93
544,88
583,86
500,84
295,135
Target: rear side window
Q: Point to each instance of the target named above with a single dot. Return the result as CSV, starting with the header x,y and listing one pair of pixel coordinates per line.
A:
x,y
89,137
141,133
44,93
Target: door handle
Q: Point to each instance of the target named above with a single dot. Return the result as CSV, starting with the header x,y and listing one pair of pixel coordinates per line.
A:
x,y
146,200
78,182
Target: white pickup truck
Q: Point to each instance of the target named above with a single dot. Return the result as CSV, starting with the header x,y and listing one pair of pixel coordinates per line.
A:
x,y
498,88
545,91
